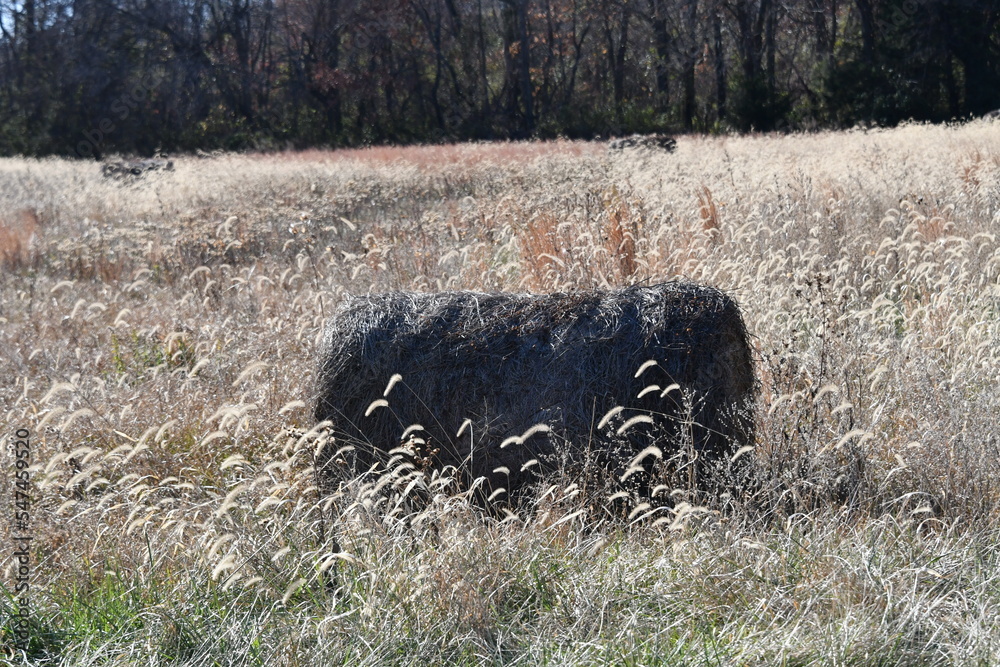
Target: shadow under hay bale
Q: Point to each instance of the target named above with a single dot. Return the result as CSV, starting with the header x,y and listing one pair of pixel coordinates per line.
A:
x,y
653,385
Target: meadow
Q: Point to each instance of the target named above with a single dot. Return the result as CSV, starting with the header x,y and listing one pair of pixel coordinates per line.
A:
x,y
159,340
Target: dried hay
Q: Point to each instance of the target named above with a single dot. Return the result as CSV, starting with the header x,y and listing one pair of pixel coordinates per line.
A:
x,y
661,142
497,381
132,169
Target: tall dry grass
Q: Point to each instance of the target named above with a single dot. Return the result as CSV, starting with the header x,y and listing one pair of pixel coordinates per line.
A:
x,y
159,341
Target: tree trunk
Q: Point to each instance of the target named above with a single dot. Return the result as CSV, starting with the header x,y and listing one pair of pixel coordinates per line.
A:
x,y
484,115
823,43
866,13
508,15
620,61
833,34
661,46
690,62
527,97
616,49
687,111
769,47
720,67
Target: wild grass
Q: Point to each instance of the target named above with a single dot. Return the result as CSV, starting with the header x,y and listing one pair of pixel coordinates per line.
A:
x,y
159,341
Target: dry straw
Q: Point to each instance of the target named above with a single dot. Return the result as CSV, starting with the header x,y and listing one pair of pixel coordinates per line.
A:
x,y
497,382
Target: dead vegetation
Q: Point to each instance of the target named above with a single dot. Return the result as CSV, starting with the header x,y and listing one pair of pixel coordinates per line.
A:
x,y
160,342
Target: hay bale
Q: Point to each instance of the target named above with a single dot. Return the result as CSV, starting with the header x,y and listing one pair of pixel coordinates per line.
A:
x,y
509,362
651,142
132,169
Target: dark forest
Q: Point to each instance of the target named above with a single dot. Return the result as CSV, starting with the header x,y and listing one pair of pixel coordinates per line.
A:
x,y
93,77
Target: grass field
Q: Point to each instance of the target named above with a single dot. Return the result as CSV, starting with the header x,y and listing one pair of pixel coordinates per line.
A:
x,y
158,339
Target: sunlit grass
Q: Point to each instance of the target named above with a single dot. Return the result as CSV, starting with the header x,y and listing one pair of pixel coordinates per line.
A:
x,y
159,340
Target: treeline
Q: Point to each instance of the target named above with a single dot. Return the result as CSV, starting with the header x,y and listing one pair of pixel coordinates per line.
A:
x,y
90,77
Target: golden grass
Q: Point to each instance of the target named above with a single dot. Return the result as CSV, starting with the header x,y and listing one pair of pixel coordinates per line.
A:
x,y
17,232
159,338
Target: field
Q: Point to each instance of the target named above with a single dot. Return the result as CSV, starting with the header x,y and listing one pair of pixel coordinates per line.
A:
x,y
159,342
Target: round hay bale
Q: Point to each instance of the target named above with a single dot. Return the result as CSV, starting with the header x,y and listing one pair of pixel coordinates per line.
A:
x,y
505,386
650,142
